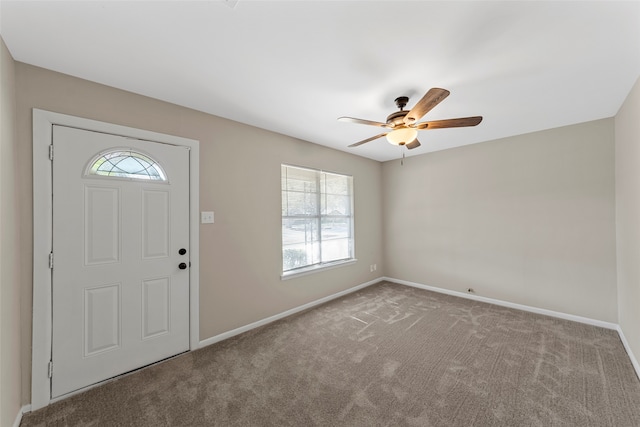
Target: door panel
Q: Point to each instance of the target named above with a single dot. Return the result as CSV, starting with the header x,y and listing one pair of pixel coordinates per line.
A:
x,y
102,225
155,307
101,319
155,224
120,301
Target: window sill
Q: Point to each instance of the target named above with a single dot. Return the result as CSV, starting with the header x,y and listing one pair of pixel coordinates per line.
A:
x,y
316,269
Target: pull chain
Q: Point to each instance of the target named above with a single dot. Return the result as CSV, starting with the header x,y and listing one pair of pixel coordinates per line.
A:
x,y
402,160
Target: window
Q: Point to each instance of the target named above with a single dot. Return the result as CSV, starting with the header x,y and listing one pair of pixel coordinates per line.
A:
x,y
317,219
122,163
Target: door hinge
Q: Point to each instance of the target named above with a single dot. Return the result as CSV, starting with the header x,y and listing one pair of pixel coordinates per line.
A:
x,y
50,369
51,260
51,152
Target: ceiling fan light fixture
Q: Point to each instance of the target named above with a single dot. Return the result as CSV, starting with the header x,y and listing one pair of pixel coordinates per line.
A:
x,y
402,136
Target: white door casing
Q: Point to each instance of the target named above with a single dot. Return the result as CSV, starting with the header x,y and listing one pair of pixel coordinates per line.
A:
x,y
120,301
42,347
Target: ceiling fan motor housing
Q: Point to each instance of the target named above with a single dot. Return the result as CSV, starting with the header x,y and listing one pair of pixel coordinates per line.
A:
x,y
396,119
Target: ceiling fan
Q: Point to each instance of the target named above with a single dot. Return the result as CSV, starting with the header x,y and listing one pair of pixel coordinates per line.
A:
x,y
403,124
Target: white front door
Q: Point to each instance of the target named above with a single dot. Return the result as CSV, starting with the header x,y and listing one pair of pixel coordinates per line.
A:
x,y
120,255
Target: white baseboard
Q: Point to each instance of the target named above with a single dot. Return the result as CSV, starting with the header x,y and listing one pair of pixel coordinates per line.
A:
x,y
225,335
18,420
627,347
560,315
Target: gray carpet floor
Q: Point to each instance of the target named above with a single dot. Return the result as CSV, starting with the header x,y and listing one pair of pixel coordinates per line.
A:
x,y
388,355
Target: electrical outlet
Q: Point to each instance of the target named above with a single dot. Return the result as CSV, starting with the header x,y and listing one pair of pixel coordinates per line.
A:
x,y
375,267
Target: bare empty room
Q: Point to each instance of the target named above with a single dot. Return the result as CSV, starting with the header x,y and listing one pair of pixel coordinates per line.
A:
x,y
357,213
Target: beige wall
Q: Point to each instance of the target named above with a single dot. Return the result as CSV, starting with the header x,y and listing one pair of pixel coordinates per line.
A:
x,y
527,219
10,247
627,128
240,255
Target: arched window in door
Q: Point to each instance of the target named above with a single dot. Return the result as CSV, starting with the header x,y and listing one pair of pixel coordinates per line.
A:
x,y
126,163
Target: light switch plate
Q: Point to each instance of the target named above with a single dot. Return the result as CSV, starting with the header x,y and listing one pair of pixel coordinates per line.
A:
x,y
206,217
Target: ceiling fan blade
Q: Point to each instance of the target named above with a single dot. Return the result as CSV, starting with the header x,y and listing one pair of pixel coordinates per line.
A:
x,y
362,121
367,140
428,101
450,123
414,144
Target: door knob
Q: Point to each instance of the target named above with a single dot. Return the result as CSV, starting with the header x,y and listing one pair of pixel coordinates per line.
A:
x,y
182,251
182,266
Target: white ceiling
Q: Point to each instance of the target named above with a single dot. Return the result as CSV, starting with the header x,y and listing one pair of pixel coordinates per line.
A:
x,y
294,67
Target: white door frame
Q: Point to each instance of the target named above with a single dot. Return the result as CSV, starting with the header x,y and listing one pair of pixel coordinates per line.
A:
x,y
43,122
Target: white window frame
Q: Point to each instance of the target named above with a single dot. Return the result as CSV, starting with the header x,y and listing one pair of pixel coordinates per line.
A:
x,y
320,266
